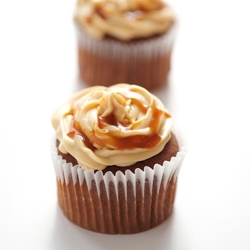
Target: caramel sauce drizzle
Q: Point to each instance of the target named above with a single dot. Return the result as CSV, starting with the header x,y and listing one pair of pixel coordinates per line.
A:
x,y
76,130
130,142
99,11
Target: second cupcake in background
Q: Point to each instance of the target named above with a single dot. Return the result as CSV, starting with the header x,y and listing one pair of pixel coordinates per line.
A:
x,y
124,41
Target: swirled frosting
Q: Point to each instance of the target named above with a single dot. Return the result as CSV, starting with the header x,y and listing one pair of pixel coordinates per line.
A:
x,y
124,19
118,125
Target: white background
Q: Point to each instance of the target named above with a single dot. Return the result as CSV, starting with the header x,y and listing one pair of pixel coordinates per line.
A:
x,y
208,96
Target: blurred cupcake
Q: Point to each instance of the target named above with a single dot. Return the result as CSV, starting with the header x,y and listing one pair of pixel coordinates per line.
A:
x,y
116,158
124,41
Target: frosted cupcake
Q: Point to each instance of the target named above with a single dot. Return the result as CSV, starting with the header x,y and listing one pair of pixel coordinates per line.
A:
x,y
124,41
116,158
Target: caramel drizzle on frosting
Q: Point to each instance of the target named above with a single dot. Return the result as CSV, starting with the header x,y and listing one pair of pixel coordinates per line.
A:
x,y
124,19
117,125
130,142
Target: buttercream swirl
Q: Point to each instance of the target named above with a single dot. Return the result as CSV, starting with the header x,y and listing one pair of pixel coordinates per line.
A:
x,y
124,19
118,125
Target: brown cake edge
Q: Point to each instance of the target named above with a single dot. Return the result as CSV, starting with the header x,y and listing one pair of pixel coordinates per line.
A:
x,y
170,150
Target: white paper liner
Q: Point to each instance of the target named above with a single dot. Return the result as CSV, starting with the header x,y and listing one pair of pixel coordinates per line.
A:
x,y
145,62
163,172
114,48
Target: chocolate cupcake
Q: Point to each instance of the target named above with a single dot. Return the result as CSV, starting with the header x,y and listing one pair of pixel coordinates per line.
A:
x,y
116,158
124,41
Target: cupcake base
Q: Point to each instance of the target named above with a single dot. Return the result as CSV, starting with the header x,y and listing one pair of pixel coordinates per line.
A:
x,y
145,62
116,201
147,72
115,214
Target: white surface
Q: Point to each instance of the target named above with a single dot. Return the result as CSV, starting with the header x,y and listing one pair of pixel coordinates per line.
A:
x,y
208,96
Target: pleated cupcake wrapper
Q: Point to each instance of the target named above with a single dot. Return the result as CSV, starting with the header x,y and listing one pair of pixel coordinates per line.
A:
x,y
163,172
121,203
145,62
115,48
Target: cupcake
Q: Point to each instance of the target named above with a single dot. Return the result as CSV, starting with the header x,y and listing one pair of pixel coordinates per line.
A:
x,y
117,158
124,41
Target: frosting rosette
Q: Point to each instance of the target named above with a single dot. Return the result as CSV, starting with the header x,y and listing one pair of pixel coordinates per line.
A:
x,y
124,19
118,125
